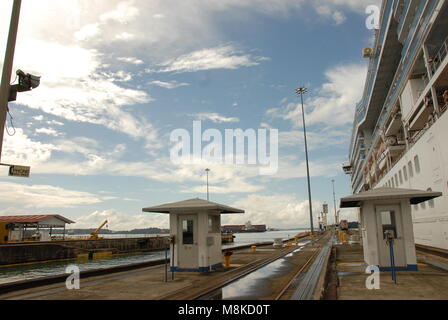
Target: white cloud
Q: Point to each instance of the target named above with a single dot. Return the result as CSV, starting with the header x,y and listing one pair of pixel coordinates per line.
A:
x,y
276,211
119,221
131,60
215,117
326,11
124,36
291,167
48,131
324,138
19,149
223,57
124,13
44,196
88,31
79,92
169,84
333,103
231,186
54,122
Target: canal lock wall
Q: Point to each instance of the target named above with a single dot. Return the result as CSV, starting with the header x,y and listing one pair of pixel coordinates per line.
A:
x,y
23,253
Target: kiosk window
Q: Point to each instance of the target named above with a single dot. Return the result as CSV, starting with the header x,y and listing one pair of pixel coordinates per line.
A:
x,y
388,222
187,231
213,224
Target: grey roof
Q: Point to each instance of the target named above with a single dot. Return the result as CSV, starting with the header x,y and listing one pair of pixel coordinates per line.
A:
x,y
33,218
386,193
192,204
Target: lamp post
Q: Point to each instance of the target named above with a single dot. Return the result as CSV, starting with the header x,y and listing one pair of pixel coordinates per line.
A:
x,y
334,201
300,92
207,171
7,67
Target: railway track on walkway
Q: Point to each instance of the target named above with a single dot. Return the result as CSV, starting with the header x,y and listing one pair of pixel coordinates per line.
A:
x,y
200,291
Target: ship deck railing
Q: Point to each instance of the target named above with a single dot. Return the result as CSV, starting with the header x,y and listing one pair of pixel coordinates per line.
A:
x,y
439,56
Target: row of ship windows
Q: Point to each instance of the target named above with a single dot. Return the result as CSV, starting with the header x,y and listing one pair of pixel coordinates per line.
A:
x,y
398,180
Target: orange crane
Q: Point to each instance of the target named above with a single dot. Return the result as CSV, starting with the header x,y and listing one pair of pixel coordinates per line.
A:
x,y
94,235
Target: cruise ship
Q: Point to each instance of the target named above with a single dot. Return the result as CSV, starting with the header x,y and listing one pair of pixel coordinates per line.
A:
x,y
400,129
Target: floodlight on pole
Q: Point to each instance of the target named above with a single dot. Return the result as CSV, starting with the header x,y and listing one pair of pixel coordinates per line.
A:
x,y
334,202
207,171
300,92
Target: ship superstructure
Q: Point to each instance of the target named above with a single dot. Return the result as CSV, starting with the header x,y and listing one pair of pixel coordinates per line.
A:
x,y
400,130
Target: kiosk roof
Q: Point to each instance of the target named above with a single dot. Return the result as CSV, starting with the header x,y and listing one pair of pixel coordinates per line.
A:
x,y
386,193
192,204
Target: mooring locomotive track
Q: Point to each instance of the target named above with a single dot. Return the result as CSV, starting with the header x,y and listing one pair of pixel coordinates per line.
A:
x,y
289,283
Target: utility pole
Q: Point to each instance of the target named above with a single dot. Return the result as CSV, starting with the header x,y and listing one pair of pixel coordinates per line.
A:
x,y
7,67
334,202
300,92
207,170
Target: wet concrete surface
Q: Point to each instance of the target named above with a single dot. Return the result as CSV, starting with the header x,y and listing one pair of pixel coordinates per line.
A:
x,y
256,284
429,283
141,284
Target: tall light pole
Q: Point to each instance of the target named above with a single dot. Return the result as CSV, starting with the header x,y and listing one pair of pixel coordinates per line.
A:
x,y
300,92
334,201
7,67
207,171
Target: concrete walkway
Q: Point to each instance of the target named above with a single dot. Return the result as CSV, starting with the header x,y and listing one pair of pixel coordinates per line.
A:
x,y
429,283
147,283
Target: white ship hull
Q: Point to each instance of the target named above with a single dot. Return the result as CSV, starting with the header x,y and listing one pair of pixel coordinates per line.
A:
x,y
430,219
400,129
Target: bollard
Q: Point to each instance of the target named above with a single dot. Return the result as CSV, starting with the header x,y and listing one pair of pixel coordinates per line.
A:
x,y
253,248
227,256
278,243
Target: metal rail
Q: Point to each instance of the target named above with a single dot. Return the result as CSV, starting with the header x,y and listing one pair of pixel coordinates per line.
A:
x,y
294,277
187,294
307,287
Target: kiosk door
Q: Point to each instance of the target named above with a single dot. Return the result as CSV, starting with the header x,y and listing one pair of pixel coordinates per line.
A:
x,y
389,220
188,246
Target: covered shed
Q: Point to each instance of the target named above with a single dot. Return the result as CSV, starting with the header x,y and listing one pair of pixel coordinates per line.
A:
x,y
31,227
195,229
386,225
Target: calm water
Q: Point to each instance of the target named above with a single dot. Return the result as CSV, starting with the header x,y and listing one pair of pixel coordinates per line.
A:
x,y
11,274
248,238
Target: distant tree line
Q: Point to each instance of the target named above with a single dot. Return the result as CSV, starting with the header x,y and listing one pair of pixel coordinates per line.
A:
x,y
107,231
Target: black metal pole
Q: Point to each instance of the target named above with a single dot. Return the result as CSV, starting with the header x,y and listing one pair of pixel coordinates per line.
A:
x,y
334,202
392,261
8,66
166,264
301,92
172,263
208,196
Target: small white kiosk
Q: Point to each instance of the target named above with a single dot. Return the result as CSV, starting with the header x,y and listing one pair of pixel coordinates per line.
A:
x,y
195,227
385,217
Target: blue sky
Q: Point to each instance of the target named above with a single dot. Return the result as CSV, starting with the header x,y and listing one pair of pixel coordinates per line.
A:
x,y
119,76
